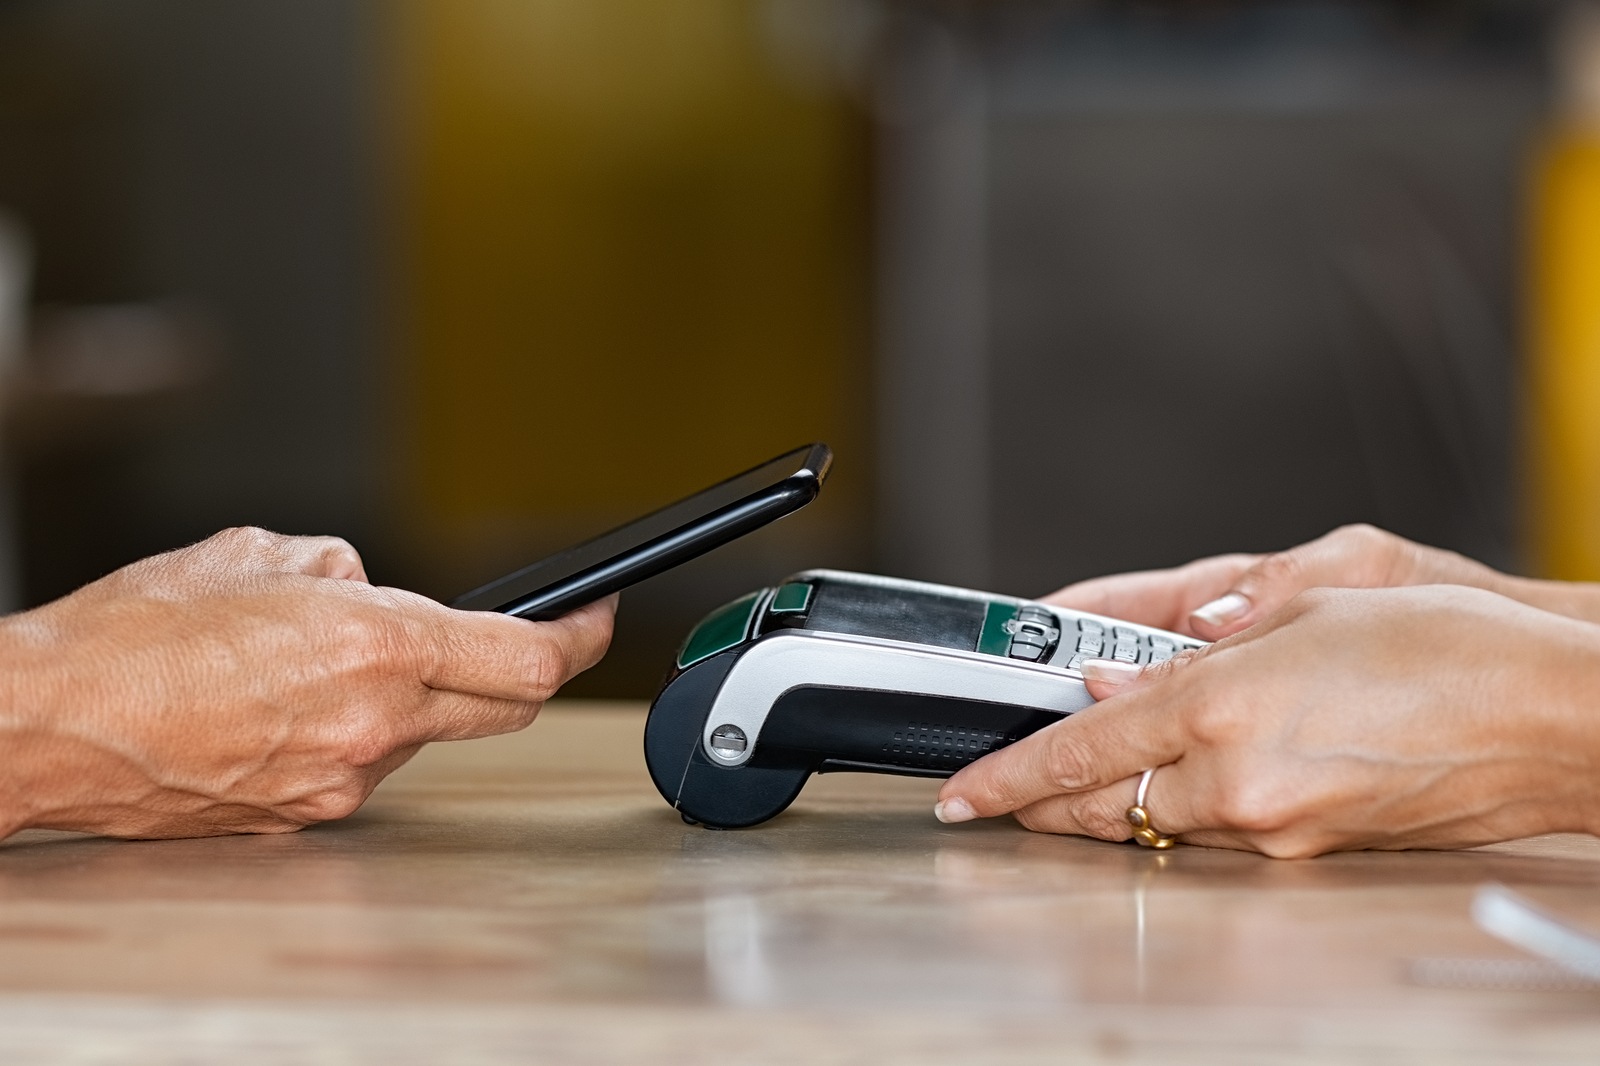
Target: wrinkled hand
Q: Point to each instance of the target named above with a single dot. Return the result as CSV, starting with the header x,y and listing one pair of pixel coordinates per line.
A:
x,y
1217,597
1436,717
253,683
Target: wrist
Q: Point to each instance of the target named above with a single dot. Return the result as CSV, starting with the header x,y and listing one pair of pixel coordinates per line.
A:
x,y
17,738
1574,599
37,776
1566,764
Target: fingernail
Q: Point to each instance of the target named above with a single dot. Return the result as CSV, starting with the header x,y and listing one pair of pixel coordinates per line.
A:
x,y
1108,670
954,810
1222,610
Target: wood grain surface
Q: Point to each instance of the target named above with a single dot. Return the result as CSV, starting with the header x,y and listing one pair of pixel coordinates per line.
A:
x,y
532,899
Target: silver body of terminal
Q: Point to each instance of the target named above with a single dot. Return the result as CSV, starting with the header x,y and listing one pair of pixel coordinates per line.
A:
x,y
1039,667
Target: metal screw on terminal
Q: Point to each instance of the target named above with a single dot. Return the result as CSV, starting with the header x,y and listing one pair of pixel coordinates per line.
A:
x,y
728,742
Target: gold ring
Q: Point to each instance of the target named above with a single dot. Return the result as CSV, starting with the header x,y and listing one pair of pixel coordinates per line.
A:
x,y
1146,834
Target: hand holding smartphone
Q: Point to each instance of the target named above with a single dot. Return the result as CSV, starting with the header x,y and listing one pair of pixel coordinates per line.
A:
x,y
658,541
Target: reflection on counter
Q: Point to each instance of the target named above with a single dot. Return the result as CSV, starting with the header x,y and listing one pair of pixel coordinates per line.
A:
x,y
543,868
899,913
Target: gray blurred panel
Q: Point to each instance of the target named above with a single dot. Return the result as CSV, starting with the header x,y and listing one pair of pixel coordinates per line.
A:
x,y
1237,288
934,409
220,155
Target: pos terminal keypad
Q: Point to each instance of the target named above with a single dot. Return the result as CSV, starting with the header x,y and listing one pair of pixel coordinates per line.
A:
x,y
1124,644
1036,633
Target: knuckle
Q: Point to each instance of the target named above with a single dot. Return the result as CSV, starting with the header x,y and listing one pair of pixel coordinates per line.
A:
x,y
604,628
1156,672
1233,562
551,667
1252,808
1281,568
545,681
339,545
250,538
1217,723
1099,820
522,714
332,803
1369,553
369,739
374,640
1032,820
360,642
403,632
1070,763
341,550
249,546
1362,535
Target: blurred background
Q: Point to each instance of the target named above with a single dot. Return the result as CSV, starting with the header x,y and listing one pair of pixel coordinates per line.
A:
x,y
1070,286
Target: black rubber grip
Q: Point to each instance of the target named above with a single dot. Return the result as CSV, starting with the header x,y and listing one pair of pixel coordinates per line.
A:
x,y
915,733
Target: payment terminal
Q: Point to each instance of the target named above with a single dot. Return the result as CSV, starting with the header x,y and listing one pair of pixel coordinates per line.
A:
x,y
834,671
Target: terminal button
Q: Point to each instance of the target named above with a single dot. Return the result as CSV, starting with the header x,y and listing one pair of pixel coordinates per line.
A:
x,y
1034,633
728,742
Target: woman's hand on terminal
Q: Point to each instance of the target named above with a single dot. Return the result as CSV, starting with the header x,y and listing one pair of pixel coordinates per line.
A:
x,y
1219,596
1434,717
253,683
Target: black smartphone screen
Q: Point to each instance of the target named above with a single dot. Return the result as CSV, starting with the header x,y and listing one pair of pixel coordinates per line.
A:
x,y
658,541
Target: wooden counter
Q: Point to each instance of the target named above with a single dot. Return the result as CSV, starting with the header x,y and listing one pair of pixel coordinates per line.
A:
x,y
531,899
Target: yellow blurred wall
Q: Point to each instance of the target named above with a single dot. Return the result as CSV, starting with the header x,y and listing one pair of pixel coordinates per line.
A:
x,y
1564,310
1565,365
631,259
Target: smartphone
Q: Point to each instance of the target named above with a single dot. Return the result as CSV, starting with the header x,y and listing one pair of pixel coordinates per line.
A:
x,y
659,541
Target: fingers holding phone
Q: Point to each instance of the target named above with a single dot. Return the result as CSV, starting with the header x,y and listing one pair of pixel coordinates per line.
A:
x,y
235,686
491,673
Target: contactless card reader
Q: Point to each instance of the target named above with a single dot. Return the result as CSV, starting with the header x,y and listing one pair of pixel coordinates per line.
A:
x,y
836,671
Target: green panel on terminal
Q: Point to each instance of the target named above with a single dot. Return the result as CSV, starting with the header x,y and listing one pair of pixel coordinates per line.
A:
x,y
719,630
995,639
792,598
